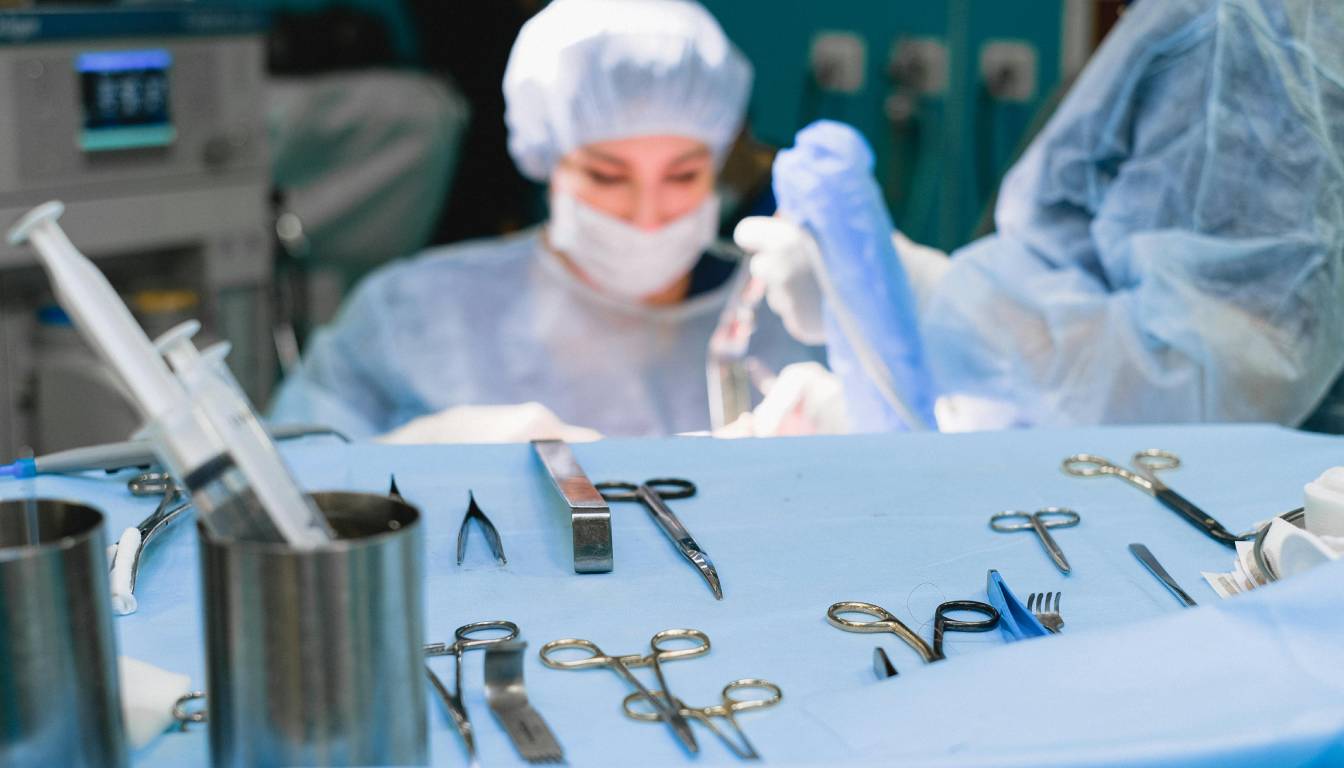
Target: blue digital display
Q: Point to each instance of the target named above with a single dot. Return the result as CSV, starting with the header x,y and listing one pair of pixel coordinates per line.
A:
x,y
126,99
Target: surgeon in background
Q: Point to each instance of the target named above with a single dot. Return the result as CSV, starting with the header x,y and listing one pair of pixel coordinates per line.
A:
x,y
1169,249
598,321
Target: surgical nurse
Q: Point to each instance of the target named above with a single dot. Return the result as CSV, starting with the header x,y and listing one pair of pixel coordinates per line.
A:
x,y
599,319
1169,249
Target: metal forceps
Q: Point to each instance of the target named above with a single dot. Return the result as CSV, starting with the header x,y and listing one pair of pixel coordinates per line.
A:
x,y
174,503
885,621
1147,464
727,709
1040,522
662,705
487,528
463,642
652,493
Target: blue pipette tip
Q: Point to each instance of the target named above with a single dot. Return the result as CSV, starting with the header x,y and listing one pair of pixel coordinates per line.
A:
x,y
23,468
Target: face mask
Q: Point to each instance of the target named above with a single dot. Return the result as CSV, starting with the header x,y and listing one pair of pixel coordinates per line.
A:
x,y
623,260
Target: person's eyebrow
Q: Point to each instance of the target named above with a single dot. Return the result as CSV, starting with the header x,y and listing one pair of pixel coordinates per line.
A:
x,y
694,154
595,154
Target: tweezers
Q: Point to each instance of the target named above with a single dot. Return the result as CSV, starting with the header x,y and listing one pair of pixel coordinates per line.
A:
x,y
170,509
488,528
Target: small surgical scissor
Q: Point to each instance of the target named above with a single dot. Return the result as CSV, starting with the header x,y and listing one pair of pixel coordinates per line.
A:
x,y
463,642
1040,522
727,709
885,621
666,711
652,493
1147,463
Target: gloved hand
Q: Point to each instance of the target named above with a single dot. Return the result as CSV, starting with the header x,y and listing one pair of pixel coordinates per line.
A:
x,y
489,424
804,399
782,257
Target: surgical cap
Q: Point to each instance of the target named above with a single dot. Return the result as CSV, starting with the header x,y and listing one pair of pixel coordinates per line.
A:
x,y
584,71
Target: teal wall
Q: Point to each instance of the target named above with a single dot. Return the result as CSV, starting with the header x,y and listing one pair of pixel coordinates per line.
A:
x,y
939,173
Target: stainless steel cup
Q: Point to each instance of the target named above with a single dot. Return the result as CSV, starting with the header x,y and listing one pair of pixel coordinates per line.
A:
x,y
316,657
59,694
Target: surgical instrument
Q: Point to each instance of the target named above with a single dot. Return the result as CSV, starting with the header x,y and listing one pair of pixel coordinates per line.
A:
x,y
1145,556
508,701
621,665
463,642
727,709
726,367
110,457
885,621
1040,522
487,528
1016,621
152,483
590,519
882,666
1039,604
125,560
1147,463
651,494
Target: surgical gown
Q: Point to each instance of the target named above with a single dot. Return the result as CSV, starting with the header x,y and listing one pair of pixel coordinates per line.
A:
x,y
1171,247
502,322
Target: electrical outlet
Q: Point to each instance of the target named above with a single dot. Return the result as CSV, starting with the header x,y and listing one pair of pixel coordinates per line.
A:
x,y
839,61
1008,70
920,64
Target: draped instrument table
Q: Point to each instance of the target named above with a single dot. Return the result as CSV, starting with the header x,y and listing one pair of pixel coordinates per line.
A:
x,y
794,525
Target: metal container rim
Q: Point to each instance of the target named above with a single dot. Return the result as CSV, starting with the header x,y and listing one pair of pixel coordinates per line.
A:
x,y
65,543
278,549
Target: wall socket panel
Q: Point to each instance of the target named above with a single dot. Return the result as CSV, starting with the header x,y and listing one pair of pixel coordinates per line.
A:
x,y
920,63
1008,68
839,61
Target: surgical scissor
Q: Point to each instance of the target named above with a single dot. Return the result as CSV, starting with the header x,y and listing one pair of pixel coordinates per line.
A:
x,y
885,621
463,642
1147,463
667,711
652,493
726,709
1040,522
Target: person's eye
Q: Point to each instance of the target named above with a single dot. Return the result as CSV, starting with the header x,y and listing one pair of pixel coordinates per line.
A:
x,y
603,179
685,177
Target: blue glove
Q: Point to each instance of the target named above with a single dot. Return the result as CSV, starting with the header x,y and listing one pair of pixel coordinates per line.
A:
x,y
825,182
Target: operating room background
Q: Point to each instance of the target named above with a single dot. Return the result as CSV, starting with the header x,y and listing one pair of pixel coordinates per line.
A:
x,y
385,124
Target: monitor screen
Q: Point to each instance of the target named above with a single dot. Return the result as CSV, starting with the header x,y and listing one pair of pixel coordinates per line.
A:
x,y
126,99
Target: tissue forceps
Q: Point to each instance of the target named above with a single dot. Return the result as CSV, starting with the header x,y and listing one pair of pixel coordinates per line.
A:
x,y
463,642
175,501
622,665
1040,522
652,493
727,709
1147,463
885,621
487,528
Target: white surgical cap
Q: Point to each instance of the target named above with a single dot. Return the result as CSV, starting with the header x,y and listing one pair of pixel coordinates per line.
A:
x,y
584,71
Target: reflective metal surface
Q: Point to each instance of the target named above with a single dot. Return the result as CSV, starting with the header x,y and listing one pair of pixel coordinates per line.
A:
x,y
651,494
1150,562
315,657
59,693
590,519
507,696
